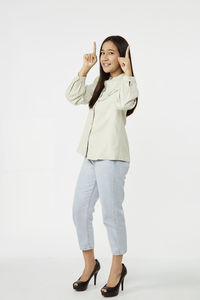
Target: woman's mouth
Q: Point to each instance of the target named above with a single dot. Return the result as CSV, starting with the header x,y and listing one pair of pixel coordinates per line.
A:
x,y
106,65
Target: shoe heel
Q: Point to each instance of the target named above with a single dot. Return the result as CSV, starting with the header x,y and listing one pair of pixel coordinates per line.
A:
x,y
122,284
95,278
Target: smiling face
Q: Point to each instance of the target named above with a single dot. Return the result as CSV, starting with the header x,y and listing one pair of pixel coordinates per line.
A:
x,y
109,59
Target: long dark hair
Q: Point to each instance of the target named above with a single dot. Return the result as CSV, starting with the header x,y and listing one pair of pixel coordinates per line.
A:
x,y
121,45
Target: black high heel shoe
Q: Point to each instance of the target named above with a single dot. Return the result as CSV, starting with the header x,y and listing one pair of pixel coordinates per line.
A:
x,y
82,285
114,291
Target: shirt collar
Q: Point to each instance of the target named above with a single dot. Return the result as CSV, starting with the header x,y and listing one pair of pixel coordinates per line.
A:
x,y
116,77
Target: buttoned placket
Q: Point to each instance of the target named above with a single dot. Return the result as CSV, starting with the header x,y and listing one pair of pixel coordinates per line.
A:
x,y
90,130
99,99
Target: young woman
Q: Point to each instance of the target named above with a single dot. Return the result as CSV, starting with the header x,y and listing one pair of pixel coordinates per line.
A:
x,y
111,97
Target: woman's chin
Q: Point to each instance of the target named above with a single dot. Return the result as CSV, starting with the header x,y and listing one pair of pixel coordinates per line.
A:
x,y
106,70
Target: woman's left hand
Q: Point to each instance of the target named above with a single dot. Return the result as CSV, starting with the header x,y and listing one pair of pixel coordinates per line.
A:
x,y
125,63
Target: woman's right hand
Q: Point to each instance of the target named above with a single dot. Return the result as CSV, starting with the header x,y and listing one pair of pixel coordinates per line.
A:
x,y
90,59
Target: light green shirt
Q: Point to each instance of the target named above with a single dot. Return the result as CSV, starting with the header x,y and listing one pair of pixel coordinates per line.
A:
x,y
104,135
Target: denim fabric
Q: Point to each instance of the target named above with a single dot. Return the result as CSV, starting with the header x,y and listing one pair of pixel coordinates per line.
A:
x,y
102,179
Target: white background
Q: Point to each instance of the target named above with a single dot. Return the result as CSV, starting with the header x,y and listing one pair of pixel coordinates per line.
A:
x,y
42,48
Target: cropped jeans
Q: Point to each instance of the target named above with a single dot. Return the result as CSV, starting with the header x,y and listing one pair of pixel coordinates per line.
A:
x,y
102,179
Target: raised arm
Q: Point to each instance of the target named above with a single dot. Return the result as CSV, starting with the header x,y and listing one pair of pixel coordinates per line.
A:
x,y
78,92
128,91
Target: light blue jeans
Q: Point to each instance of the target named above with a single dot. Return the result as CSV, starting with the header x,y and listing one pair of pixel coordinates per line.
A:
x,y
102,179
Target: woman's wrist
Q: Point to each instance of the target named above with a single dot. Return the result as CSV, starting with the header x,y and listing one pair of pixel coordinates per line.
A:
x,y
83,72
129,73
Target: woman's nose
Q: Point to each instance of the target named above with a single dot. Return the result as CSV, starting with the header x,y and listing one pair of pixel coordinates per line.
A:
x,y
105,56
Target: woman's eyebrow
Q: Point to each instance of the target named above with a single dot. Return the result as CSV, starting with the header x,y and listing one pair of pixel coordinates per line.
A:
x,y
108,49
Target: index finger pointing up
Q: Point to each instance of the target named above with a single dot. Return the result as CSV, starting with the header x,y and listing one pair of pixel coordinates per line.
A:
x,y
127,51
94,47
